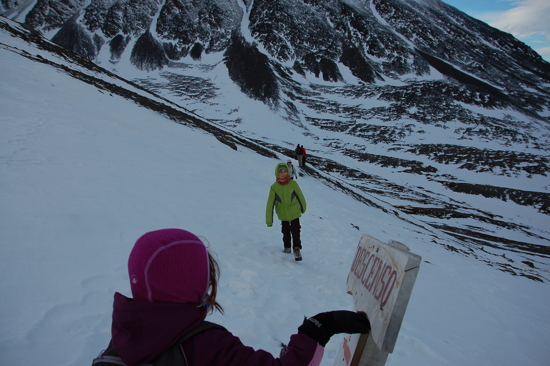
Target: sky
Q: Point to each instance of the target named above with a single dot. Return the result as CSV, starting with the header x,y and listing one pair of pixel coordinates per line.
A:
x,y
84,173
527,20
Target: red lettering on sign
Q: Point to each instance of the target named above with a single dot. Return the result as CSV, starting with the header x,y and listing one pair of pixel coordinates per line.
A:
x,y
378,277
367,266
389,288
366,262
381,285
374,273
379,273
364,257
356,261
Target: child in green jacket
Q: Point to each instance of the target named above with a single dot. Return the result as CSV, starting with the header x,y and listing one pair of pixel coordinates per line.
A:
x,y
286,197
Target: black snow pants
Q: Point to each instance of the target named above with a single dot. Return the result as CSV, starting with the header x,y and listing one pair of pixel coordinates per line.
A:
x,y
291,234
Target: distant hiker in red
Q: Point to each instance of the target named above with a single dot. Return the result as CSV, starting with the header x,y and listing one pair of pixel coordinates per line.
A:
x,y
304,154
298,152
285,196
292,171
174,282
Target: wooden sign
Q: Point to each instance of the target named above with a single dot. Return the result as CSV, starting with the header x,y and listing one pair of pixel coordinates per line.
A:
x,y
381,280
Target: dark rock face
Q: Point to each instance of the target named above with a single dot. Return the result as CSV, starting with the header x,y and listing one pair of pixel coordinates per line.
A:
x,y
507,163
244,63
129,18
118,45
291,30
74,37
208,23
148,53
196,51
8,4
322,66
51,14
359,67
539,200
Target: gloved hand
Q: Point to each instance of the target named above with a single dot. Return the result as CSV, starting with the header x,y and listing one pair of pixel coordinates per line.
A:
x,y
324,325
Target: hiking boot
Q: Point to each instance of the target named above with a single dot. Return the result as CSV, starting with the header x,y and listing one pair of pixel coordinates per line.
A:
x,y
286,250
297,254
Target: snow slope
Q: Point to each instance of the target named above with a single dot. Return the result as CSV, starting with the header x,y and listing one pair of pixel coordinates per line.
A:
x,y
84,173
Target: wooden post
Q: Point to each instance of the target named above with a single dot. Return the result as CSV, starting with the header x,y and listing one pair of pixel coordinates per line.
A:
x,y
381,280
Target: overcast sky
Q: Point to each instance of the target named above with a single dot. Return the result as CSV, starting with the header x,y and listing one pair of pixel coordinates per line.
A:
x,y
527,20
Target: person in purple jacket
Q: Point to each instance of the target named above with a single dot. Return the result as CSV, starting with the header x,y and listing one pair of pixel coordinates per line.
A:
x,y
174,281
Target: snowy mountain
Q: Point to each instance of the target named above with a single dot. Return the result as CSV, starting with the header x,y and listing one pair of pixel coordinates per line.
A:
x,y
94,154
399,40
395,98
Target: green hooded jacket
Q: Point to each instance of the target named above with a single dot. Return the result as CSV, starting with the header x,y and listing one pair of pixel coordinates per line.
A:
x,y
288,200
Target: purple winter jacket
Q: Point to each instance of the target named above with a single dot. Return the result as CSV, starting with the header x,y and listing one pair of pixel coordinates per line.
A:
x,y
142,330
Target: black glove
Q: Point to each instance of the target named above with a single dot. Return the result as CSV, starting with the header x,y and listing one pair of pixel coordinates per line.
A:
x,y
324,325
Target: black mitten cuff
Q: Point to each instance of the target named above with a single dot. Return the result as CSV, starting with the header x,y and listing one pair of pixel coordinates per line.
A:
x,y
315,330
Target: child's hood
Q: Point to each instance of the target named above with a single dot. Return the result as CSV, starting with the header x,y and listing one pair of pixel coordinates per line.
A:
x,y
280,166
142,330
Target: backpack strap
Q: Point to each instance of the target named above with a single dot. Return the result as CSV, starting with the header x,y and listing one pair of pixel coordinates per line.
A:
x,y
171,356
205,325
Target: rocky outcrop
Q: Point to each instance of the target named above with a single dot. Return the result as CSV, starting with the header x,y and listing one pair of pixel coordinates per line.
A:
x,y
74,37
245,63
148,53
199,24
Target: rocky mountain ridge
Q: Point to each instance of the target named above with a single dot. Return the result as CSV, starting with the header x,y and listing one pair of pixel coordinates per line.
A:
x,y
376,40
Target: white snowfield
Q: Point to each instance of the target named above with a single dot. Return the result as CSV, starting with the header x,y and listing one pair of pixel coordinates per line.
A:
x,y
84,173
